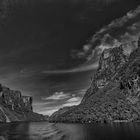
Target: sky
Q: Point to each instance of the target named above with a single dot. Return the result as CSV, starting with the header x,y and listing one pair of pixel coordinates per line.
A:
x,y
39,43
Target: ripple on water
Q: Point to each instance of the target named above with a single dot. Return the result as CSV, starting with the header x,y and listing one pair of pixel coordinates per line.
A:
x,y
45,132
49,131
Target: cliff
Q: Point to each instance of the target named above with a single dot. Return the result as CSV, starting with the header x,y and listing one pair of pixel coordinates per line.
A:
x,y
15,107
114,94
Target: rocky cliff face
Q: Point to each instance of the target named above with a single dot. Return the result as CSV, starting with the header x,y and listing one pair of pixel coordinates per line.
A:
x,y
15,107
110,61
114,94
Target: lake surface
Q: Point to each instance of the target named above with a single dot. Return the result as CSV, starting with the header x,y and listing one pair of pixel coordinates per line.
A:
x,y
50,131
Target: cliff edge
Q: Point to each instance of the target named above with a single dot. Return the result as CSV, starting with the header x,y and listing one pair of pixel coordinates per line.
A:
x,y
15,107
114,93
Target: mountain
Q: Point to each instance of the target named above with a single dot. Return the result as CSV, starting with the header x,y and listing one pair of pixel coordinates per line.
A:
x,y
114,93
15,107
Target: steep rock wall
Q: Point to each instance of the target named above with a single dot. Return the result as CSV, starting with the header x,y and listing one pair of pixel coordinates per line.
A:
x,y
15,107
114,95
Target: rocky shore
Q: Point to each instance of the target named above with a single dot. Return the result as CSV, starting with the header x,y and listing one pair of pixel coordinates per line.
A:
x,y
15,107
114,94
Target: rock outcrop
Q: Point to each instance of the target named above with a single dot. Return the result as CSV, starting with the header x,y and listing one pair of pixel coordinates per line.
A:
x,y
114,93
15,107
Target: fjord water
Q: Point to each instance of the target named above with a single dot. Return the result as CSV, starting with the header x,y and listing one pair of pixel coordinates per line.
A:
x,y
50,131
56,28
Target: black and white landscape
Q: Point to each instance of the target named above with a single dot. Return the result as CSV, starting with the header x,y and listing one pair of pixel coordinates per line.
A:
x,y
69,69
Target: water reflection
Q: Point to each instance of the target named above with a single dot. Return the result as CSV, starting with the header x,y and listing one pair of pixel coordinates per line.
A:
x,y
49,131
14,131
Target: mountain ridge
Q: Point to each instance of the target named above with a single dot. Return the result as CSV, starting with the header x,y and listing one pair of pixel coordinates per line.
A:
x,y
113,95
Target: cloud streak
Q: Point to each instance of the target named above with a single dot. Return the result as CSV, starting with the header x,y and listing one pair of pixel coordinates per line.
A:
x,y
57,96
83,68
58,100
